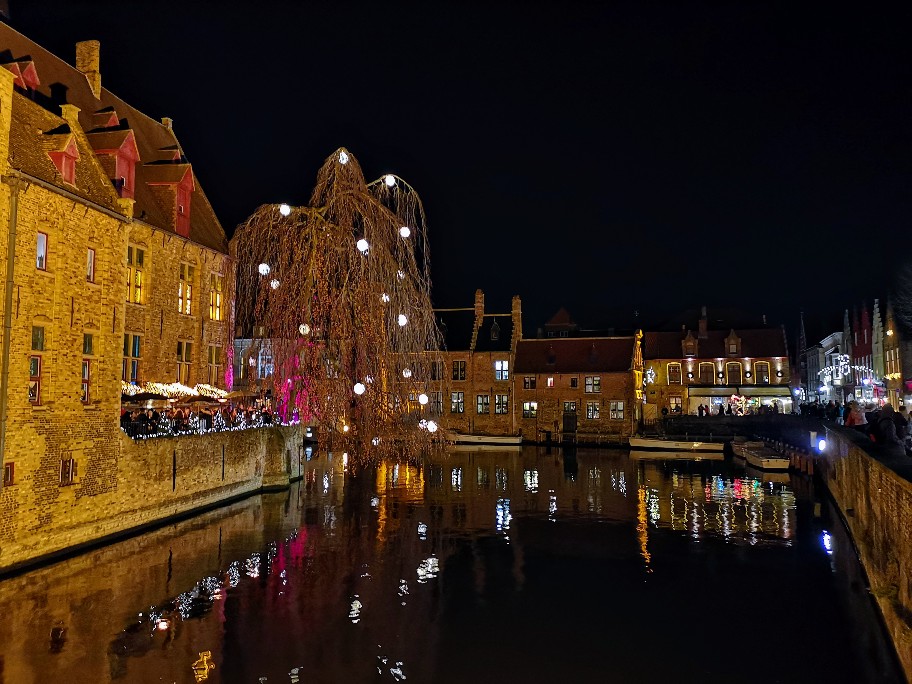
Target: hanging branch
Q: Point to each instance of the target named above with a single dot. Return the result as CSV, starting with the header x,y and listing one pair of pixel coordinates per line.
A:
x,y
339,294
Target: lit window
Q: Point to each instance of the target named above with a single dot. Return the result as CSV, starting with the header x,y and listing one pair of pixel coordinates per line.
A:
x,y
530,409
185,289
707,374
733,372
675,404
457,402
135,265
90,265
34,385
762,371
501,370
216,285
483,403
184,360
501,403
459,370
550,382
674,373
593,384
529,382
569,407
616,410
86,378
265,367
215,364
41,252
132,349
592,410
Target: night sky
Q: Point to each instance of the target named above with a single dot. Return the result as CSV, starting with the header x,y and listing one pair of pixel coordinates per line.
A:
x,y
605,157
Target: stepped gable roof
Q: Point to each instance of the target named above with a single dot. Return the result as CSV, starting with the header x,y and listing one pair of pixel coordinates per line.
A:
x,y
755,342
457,328
34,132
502,325
575,355
561,318
62,83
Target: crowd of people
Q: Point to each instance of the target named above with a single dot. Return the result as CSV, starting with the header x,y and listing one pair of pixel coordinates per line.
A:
x,y
735,409
884,425
186,419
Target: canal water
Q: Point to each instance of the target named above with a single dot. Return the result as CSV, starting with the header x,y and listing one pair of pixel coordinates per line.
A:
x,y
529,566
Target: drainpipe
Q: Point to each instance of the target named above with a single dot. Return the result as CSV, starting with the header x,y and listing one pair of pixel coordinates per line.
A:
x,y
13,184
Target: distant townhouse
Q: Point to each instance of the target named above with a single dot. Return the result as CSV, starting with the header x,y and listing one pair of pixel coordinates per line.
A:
x,y
713,367
579,389
478,357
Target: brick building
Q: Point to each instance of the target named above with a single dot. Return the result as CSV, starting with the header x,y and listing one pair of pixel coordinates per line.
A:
x,y
115,267
708,366
480,348
584,389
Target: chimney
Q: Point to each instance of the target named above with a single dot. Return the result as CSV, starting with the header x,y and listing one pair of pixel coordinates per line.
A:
x,y
166,122
479,307
87,61
517,321
702,329
764,319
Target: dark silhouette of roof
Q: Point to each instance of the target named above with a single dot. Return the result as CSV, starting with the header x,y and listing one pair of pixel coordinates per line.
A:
x,y
457,328
575,355
755,342
495,333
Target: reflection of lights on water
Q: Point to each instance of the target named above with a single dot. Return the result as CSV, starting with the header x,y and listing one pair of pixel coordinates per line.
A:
x,y
308,452
295,674
530,480
456,479
234,574
552,505
422,531
427,569
354,612
397,672
652,503
827,542
284,576
252,565
403,589
500,477
325,483
162,624
375,501
502,515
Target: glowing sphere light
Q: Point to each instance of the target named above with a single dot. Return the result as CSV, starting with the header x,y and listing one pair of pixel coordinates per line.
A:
x,y
284,209
263,269
359,388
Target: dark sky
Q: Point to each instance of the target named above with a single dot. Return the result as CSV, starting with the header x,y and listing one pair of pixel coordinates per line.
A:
x,y
607,157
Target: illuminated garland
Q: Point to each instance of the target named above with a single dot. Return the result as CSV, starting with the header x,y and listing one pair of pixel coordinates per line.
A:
x,y
337,294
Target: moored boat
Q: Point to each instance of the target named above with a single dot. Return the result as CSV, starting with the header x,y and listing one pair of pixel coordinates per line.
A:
x,y
651,443
463,439
765,458
666,455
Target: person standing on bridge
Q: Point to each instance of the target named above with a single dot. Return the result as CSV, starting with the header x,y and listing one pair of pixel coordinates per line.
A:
x,y
856,418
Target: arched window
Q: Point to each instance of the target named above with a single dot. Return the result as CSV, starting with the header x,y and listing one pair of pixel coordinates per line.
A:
x,y
707,374
762,373
674,373
733,372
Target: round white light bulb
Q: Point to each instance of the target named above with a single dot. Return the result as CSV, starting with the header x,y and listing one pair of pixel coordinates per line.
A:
x,y
345,428
274,283
304,329
431,426
284,209
263,269
402,320
362,246
390,180
359,388
423,399
343,157
405,231
406,372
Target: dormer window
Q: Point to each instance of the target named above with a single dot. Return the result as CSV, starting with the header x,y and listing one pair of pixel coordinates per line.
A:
x,y
495,332
26,76
732,344
118,155
65,160
184,190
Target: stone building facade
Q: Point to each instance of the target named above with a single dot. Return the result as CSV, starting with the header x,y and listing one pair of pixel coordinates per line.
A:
x,y
686,369
585,389
479,381
114,269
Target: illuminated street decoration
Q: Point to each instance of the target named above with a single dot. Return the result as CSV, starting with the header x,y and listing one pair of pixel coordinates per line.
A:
x,y
650,376
364,291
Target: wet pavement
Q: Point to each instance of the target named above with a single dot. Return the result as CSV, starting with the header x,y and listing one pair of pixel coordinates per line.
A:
x,y
469,566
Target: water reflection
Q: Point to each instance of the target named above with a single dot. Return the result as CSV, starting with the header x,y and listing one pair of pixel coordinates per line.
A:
x,y
424,570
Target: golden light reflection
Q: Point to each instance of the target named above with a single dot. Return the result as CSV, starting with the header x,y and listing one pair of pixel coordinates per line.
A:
x,y
203,666
642,524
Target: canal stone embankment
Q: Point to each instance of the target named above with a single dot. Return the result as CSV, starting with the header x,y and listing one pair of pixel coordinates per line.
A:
x,y
154,480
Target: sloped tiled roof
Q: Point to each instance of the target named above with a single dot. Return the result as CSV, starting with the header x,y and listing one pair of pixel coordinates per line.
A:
x,y
504,328
561,318
756,342
575,355
63,83
457,328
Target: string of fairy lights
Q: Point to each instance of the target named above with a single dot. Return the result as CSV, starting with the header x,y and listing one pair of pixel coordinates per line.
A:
x,y
338,294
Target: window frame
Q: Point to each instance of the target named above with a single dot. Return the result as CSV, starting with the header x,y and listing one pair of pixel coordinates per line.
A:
x,y
501,404
501,370
616,409
186,275
184,360
136,267
35,379
712,372
530,409
593,410
529,382
459,370
132,358
9,473
68,472
593,384
86,381
214,357
216,287
482,404
41,254
90,264
457,402
757,375
678,379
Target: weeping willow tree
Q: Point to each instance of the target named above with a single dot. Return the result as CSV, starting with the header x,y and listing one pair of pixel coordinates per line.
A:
x,y
338,294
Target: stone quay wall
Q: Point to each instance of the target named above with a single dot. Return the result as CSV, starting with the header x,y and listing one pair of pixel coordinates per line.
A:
x,y
876,502
154,480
